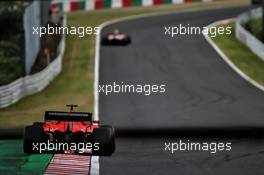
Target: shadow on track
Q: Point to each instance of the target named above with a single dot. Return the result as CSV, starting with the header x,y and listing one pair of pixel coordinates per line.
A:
x,y
228,132
14,133
221,132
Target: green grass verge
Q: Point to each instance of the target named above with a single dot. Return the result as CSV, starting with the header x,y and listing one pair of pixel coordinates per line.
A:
x,y
256,28
75,83
14,161
241,55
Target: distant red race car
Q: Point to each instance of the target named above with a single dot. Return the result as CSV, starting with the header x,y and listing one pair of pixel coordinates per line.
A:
x,y
69,127
116,38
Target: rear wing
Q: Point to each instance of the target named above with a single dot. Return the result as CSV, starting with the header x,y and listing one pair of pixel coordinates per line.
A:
x,y
68,116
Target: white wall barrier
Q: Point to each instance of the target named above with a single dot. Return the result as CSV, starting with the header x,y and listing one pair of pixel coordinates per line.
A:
x,y
31,84
245,36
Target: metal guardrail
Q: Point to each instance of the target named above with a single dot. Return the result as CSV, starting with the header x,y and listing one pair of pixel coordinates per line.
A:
x,y
246,37
31,84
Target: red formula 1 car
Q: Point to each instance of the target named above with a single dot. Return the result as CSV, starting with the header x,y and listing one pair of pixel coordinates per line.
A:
x,y
69,132
116,38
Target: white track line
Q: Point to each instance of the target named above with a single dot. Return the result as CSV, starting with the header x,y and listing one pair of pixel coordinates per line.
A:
x,y
225,58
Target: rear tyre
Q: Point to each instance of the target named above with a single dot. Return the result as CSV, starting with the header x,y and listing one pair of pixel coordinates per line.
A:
x,y
128,40
113,137
105,137
104,41
33,135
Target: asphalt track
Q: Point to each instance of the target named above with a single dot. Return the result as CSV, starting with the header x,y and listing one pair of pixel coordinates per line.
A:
x,y
204,98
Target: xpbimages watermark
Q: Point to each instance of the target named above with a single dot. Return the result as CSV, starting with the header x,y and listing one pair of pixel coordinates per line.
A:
x,y
80,31
62,146
173,31
142,89
187,145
